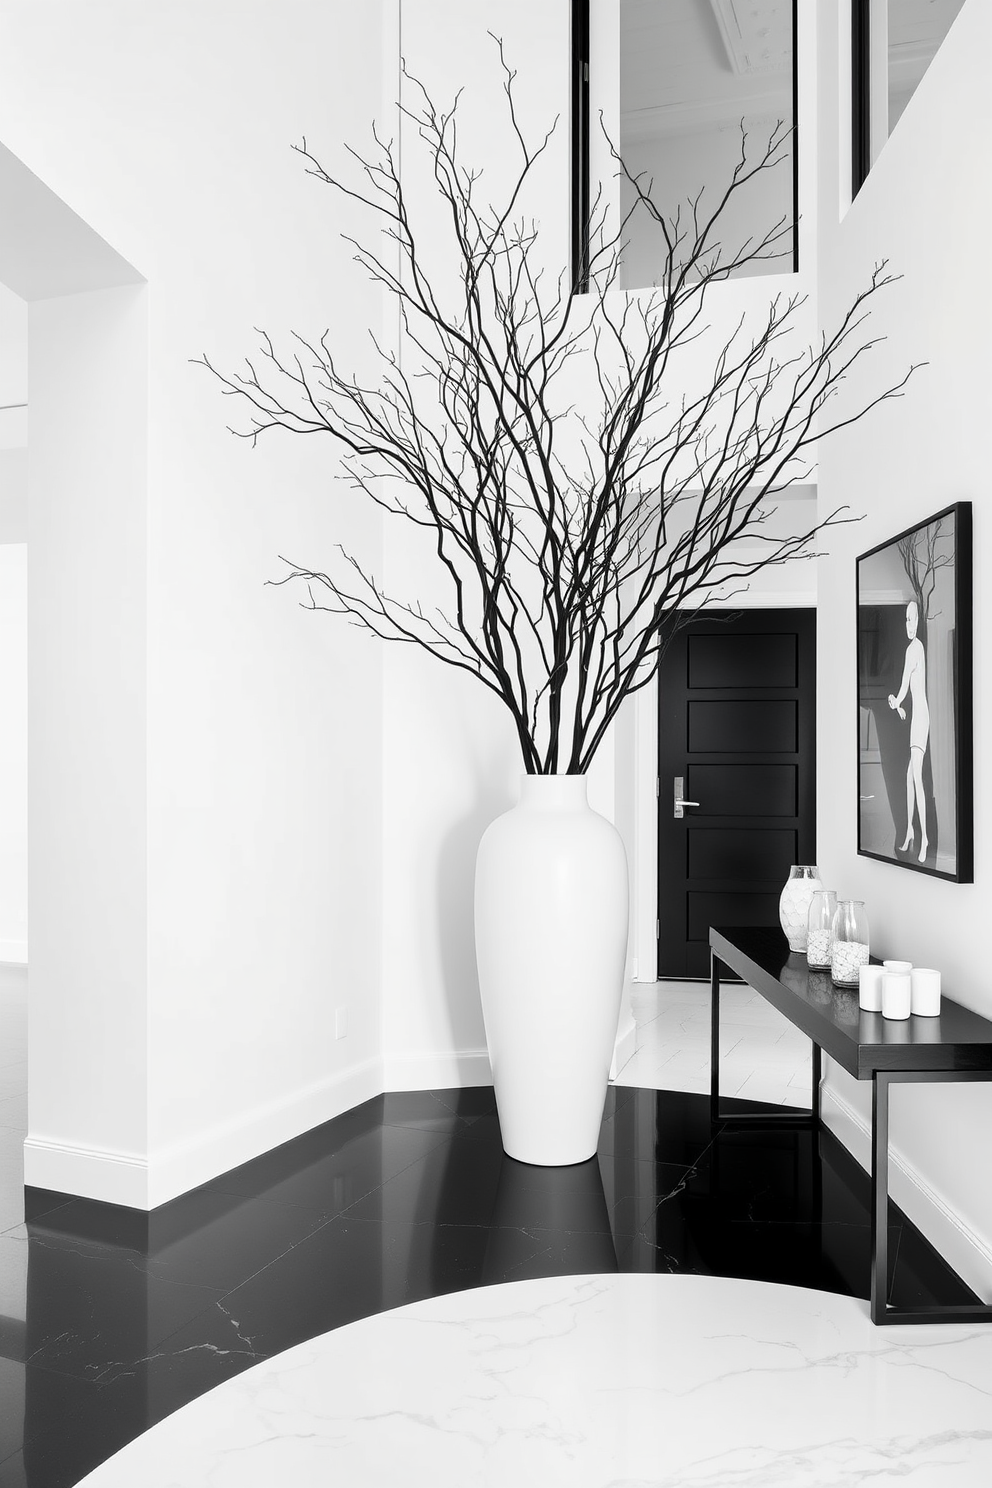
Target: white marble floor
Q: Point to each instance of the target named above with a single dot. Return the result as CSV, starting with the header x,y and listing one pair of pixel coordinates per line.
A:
x,y
634,1380
762,1057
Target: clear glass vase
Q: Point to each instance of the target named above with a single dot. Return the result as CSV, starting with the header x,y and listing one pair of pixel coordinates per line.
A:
x,y
849,951
819,928
793,905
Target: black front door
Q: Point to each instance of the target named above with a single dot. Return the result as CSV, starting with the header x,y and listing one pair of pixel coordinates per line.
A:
x,y
737,719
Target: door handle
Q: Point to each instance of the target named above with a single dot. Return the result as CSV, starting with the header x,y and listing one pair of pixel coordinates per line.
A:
x,y
680,800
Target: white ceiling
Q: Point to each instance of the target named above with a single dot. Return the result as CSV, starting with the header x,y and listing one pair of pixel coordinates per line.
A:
x,y
45,248
687,65
916,29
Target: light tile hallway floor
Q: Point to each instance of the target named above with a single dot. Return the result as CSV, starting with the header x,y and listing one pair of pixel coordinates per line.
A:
x,y
762,1057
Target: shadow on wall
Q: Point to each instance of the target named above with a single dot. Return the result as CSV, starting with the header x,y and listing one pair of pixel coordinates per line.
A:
x,y
456,909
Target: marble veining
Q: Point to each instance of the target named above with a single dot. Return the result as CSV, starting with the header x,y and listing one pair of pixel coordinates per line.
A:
x,y
111,1320
762,1056
617,1381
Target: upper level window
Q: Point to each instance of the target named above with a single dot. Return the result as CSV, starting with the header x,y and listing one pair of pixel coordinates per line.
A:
x,y
893,44
700,81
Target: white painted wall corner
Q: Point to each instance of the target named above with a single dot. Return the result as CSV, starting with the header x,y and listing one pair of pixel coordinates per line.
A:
x,y
960,1247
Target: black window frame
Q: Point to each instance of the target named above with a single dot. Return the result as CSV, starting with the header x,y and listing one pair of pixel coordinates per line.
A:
x,y
580,140
580,204
860,94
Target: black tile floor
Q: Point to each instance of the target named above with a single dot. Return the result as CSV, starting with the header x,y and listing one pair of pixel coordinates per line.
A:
x,y
129,1316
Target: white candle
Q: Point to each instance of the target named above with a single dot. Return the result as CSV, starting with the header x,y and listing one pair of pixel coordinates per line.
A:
x,y
926,992
870,988
898,965
896,994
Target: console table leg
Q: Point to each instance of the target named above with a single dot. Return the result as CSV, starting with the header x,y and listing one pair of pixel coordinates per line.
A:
x,y
714,1038
879,1196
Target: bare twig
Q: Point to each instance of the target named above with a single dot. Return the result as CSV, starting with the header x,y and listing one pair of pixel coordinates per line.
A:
x,y
571,544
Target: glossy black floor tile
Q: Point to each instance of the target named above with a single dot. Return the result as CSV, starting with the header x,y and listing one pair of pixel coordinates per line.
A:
x,y
88,1307
72,1425
222,1240
12,1392
439,1110
331,1177
455,1183
129,1316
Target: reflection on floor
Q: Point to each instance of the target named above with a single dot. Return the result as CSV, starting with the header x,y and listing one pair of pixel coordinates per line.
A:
x,y
127,1317
762,1056
110,1320
589,1381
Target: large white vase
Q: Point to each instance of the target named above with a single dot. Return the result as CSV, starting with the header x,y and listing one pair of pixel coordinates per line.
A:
x,y
551,939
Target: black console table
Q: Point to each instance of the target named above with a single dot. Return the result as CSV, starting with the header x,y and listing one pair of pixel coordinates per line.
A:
x,y
955,1046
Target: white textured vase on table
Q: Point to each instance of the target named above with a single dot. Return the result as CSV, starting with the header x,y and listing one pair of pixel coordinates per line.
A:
x,y
794,902
551,941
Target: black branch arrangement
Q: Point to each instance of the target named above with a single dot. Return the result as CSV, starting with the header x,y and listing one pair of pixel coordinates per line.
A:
x,y
577,497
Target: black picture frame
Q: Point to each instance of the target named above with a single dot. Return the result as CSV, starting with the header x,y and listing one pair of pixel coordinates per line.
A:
x,y
915,698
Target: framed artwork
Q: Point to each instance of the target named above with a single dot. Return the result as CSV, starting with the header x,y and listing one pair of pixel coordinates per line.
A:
x,y
915,698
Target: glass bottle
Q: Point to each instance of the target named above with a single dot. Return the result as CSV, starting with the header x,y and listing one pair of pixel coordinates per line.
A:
x,y
793,905
850,942
819,928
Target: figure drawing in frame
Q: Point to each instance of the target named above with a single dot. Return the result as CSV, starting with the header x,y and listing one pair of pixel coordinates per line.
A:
x,y
914,765
914,682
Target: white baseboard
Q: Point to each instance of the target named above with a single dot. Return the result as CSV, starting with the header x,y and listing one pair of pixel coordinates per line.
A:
x,y
14,952
87,1172
626,1044
961,1248
140,1183
441,1070
176,1170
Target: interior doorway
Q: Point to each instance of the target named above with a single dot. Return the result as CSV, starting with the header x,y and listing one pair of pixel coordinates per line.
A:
x,y
737,744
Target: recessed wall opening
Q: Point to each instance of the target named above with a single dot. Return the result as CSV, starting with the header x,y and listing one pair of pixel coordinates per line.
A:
x,y
72,515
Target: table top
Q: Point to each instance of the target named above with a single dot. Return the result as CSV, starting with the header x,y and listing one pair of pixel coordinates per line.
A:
x,y
860,1042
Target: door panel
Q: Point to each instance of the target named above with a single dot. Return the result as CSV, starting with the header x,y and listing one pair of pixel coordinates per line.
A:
x,y
740,852
735,725
744,790
743,661
706,909
736,722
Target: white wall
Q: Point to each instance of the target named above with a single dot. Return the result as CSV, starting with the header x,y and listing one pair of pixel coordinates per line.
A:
x,y
683,163
13,372
912,458
451,758
13,628
794,584
450,755
13,750
87,788
168,128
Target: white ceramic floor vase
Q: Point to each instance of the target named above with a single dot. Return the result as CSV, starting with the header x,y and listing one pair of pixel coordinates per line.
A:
x,y
551,940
